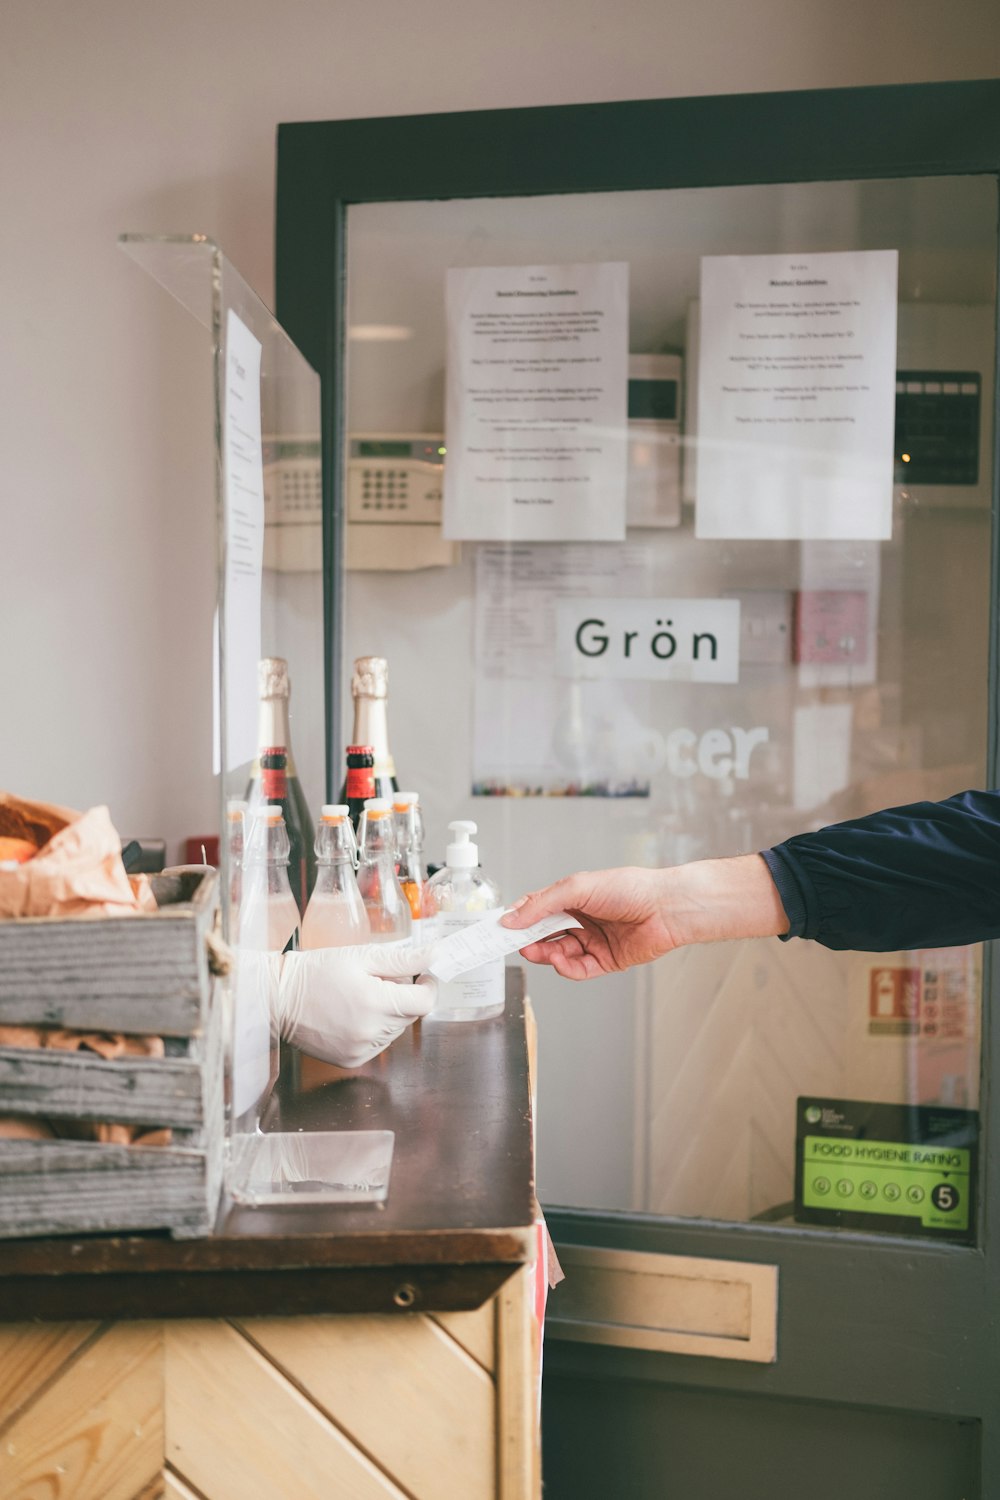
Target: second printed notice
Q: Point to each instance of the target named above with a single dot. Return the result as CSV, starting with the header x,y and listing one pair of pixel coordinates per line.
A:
x,y
796,395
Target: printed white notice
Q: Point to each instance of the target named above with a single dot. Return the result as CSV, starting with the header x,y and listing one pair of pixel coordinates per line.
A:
x,y
537,403
243,477
485,940
796,396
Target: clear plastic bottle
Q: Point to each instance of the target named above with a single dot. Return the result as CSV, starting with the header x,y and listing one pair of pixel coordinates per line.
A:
x,y
336,914
269,914
462,894
388,909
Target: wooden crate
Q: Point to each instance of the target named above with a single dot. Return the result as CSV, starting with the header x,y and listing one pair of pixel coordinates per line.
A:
x,y
147,974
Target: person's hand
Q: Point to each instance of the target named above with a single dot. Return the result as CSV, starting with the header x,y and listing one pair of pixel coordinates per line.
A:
x,y
345,1005
631,916
623,915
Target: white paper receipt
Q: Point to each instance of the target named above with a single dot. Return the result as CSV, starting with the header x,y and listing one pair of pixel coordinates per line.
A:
x,y
477,944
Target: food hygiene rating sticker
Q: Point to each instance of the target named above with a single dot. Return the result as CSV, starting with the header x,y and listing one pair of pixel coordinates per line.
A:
x,y
905,1169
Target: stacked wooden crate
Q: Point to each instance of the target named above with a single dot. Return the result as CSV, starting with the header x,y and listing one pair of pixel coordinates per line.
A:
x,y
142,975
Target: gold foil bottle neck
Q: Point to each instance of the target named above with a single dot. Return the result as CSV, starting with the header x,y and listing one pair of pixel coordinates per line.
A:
x,y
272,677
371,677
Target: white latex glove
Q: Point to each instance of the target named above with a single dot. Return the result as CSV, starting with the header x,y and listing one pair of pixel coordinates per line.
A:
x,y
345,1005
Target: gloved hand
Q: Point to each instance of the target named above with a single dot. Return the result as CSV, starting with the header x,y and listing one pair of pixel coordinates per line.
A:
x,y
345,1005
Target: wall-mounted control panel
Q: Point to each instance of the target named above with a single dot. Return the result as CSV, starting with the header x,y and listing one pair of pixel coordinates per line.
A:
x,y
395,485
393,501
395,479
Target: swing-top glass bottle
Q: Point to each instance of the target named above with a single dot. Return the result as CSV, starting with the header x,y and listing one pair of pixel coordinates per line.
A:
x,y
387,907
336,914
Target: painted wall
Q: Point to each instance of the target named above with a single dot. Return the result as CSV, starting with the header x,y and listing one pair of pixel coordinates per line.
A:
x,y
115,116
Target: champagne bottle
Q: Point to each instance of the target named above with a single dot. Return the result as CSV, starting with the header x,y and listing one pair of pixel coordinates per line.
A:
x,y
359,785
283,786
275,790
369,689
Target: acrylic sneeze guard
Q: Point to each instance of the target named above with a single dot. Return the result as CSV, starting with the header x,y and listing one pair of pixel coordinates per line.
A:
x,y
267,466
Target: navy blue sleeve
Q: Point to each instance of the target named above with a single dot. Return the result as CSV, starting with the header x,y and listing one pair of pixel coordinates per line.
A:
x,y
922,876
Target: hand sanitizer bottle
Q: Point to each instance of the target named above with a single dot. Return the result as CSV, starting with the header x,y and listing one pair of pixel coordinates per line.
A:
x,y
463,894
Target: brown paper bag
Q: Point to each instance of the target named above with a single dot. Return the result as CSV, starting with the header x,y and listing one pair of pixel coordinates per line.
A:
x,y
77,873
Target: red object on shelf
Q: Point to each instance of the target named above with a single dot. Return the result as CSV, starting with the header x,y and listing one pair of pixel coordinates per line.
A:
x,y
193,847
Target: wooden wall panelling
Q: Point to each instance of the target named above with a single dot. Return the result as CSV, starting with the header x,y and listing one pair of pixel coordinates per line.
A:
x,y
364,1408
518,1455
156,1489
30,1355
770,1022
239,1429
174,1487
475,1331
402,1389
95,1431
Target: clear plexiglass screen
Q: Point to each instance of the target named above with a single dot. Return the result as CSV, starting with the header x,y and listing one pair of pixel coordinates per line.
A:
x,y
788,462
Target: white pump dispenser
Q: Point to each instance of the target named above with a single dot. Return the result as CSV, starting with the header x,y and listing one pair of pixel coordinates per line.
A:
x,y
463,894
462,853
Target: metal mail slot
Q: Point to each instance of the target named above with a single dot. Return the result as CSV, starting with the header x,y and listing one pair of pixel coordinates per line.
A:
x,y
722,1309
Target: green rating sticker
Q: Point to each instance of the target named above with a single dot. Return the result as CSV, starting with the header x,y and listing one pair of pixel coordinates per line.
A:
x,y
929,1183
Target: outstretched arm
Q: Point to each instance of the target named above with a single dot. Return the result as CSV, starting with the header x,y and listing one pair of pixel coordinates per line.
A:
x,y
631,916
922,876
926,875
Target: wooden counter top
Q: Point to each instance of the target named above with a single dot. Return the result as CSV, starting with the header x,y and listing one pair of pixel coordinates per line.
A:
x,y
457,1223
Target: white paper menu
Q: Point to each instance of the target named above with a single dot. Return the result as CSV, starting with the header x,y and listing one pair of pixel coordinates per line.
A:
x,y
796,395
537,403
243,478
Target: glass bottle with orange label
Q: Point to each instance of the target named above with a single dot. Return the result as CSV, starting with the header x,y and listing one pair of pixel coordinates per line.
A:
x,y
269,914
410,858
336,914
387,907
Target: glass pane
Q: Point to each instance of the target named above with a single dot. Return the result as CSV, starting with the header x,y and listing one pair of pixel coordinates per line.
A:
x,y
270,682
861,679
